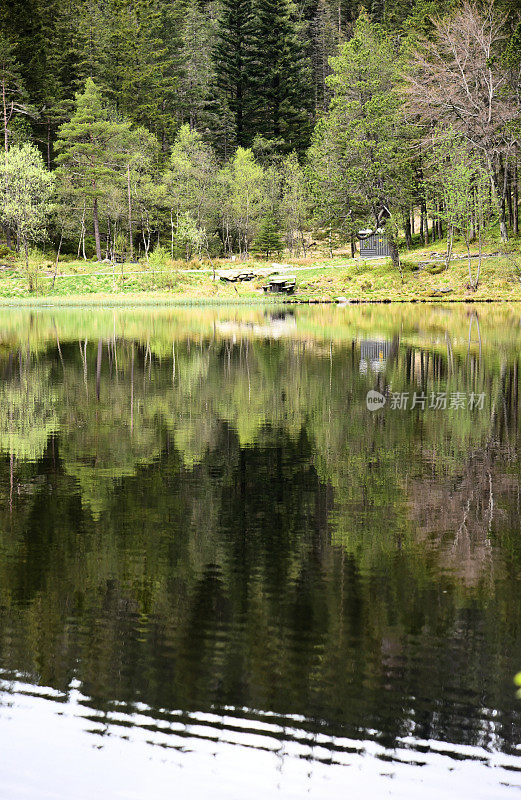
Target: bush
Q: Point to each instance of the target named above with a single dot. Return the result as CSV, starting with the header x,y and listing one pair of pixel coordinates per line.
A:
x,y
158,257
407,266
6,252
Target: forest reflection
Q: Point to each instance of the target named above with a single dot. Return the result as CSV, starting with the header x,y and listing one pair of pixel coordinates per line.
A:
x,y
214,519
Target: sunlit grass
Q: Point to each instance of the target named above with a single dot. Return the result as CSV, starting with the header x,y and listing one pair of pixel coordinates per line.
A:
x,y
319,278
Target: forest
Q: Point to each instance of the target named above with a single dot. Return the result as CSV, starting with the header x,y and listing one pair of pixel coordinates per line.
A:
x,y
187,129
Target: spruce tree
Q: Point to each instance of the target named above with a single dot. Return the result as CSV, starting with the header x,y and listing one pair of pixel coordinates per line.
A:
x,y
268,239
197,67
141,70
280,75
233,64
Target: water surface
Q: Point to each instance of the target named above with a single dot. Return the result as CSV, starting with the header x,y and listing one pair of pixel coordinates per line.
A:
x,y
222,575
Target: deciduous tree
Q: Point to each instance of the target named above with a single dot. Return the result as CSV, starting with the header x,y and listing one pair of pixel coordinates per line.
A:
x,y
27,202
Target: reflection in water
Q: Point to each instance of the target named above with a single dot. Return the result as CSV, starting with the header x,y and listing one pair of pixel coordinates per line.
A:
x,y
210,547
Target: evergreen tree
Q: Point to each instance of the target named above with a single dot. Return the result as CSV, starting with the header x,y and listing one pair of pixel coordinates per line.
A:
x,y
268,239
12,91
233,63
140,72
92,151
362,147
326,34
59,76
201,105
93,23
280,75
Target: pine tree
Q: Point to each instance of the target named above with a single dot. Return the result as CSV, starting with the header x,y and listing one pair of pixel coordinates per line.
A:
x,y
92,26
92,151
326,34
361,151
233,64
280,75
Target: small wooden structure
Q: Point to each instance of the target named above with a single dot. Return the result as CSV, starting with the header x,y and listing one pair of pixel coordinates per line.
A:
x,y
281,283
373,244
234,275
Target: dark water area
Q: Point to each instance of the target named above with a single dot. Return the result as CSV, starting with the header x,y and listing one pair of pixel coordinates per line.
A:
x,y
223,574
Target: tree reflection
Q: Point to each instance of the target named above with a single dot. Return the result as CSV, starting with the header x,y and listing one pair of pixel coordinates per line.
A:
x,y
225,523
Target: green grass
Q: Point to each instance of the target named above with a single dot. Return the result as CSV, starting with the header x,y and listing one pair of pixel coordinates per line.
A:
x,y
318,279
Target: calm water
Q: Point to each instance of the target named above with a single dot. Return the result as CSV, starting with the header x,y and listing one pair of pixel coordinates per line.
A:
x,y
222,575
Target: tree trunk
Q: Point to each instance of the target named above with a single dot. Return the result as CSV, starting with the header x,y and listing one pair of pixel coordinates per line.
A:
x,y
29,276
6,120
425,220
480,260
440,221
302,242
469,262
48,144
509,200
96,228
131,243
408,231
498,192
57,259
6,148
395,254
450,240
515,202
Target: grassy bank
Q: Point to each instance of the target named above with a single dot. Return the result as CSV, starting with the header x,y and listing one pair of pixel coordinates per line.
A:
x,y
318,279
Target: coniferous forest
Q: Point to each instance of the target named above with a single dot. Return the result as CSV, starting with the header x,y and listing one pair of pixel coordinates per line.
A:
x,y
211,128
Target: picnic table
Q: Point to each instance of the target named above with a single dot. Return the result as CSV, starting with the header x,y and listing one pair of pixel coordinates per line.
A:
x,y
281,283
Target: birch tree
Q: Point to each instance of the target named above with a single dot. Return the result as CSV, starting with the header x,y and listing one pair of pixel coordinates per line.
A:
x,y
27,202
458,79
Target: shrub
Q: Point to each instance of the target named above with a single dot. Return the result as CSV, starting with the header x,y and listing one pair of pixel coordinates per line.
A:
x,y
6,252
158,257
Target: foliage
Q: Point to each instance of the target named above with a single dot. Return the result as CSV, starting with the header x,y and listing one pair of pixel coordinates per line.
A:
x,y
268,239
92,148
145,110
26,203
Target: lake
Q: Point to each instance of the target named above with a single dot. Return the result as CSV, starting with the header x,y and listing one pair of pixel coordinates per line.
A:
x,y
260,552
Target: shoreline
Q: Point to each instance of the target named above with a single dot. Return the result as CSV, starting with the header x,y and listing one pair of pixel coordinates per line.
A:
x,y
147,301
320,281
